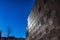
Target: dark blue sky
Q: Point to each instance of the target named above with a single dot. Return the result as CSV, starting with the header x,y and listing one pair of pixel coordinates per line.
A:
x,y
14,13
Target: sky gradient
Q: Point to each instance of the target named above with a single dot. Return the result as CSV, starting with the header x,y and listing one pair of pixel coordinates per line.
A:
x,y
14,13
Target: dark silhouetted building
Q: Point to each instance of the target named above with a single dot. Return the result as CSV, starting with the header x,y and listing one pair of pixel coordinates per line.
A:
x,y
0,33
19,38
3,38
11,38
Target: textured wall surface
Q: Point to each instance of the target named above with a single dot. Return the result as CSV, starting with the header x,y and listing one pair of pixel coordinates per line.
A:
x,y
44,20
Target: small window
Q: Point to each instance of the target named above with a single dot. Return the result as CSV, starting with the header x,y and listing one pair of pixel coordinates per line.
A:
x,y
47,30
39,8
40,33
38,22
35,36
41,39
48,14
45,1
42,21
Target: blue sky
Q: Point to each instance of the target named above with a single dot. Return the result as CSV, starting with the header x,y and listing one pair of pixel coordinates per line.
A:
x,y
14,13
